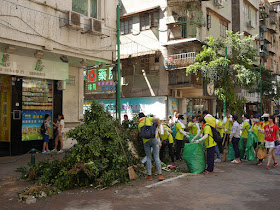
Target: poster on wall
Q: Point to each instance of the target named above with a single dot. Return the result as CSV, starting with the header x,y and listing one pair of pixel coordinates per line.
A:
x,y
5,108
132,106
32,121
172,105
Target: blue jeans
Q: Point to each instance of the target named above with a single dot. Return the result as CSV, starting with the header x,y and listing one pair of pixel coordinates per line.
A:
x,y
152,143
217,151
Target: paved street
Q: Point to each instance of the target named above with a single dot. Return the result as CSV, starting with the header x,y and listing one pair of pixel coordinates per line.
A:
x,y
243,186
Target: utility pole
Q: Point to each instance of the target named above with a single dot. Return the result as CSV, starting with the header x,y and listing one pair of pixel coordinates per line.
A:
x,y
225,84
119,63
261,86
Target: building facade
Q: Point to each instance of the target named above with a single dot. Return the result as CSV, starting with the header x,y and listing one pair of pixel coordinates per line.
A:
x,y
159,39
45,46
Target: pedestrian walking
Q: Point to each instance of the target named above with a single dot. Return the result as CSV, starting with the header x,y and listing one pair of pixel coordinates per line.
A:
x,y
47,134
180,133
245,127
167,141
149,144
209,144
271,136
60,134
234,138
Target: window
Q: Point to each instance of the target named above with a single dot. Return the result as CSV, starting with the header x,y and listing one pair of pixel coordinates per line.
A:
x,y
86,7
145,22
144,63
149,20
223,29
155,20
208,21
249,13
183,21
126,26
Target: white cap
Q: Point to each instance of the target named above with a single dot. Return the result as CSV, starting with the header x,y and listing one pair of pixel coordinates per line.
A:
x,y
265,115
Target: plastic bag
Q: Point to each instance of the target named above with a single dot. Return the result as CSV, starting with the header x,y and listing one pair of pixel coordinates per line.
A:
x,y
195,157
277,150
231,154
191,137
261,152
250,151
241,147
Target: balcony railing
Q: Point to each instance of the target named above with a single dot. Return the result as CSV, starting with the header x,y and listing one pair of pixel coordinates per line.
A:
x,y
180,60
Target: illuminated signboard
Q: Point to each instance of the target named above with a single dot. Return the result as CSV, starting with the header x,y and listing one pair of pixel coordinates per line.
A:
x,y
99,80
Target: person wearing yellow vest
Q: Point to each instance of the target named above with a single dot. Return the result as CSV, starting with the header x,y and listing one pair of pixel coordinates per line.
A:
x,y
245,127
220,129
167,140
209,142
192,125
151,144
209,119
228,123
258,129
180,133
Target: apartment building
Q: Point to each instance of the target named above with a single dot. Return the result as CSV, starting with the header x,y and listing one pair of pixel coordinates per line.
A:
x,y
44,47
159,39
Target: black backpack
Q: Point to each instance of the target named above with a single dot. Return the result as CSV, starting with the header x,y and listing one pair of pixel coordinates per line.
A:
x,y
216,135
148,132
43,129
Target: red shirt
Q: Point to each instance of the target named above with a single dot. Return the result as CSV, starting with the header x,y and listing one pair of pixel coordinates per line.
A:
x,y
271,132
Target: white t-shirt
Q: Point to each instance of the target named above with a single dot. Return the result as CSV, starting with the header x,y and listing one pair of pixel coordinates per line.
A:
x,y
61,123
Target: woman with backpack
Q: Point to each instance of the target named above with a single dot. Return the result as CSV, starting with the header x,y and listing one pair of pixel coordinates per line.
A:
x,y
46,134
235,138
60,133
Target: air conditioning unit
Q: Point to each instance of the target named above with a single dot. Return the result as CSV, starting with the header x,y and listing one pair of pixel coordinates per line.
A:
x,y
76,20
218,2
250,24
177,94
96,26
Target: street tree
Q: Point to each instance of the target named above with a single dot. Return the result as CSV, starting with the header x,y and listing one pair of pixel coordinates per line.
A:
x,y
237,70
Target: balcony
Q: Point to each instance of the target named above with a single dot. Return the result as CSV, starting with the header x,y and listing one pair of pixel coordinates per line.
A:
x,y
179,78
272,49
179,61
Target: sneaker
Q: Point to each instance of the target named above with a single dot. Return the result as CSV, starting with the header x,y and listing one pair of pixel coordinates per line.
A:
x,y
149,177
274,165
60,151
54,150
207,172
259,163
160,177
267,167
234,161
217,161
49,151
45,152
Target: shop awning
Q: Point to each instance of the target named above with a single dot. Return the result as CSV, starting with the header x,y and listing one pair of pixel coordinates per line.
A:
x,y
183,41
140,11
157,52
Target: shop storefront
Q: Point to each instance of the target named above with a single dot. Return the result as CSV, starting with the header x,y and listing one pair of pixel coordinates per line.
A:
x,y
155,106
29,91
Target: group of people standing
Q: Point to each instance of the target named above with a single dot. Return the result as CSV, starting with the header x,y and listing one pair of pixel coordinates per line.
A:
x,y
201,127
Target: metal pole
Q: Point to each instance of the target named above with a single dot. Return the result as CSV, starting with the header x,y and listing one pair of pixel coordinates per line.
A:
x,y
225,85
116,107
261,87
119,62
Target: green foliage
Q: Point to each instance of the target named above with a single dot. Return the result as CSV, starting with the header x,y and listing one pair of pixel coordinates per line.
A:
x,y
97,159
211,64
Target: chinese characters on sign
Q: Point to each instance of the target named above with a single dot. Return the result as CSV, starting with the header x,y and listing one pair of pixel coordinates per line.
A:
x,y
99,81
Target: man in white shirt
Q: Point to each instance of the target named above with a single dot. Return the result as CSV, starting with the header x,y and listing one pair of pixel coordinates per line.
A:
x,y
60,132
